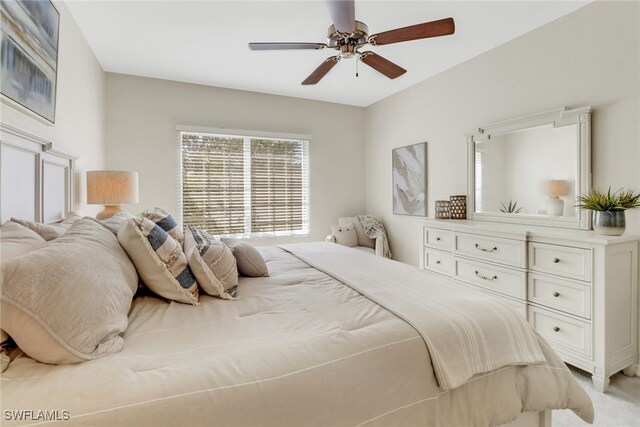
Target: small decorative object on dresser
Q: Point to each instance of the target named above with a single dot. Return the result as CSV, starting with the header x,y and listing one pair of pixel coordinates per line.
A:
x,y
608,209
443,209
458,207
410,180
554,188
578,289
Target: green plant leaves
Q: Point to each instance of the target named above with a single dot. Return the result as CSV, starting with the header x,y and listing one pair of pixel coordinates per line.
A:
x,y
621,200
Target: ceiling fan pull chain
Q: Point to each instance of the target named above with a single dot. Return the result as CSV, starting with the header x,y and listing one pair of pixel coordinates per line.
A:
x,y
358,60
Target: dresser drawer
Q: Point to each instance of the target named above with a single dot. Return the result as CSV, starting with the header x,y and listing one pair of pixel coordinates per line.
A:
x,y
562,332
565,261
504,281
438,261
436,238
494,249
561,294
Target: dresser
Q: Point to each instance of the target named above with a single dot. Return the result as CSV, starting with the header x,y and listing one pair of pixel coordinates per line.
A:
x,y
578,289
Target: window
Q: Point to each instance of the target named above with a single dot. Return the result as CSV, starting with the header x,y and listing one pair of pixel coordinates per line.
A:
x,y
244,185
479,181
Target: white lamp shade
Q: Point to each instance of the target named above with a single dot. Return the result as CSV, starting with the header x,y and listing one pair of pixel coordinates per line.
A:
x,y
112,187
556,188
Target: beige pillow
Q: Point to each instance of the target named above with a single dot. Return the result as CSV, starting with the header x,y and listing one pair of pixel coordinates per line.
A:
x,y
16,240
250,262
159,259
68,301
345,235
212,263
113,222
165,221
50,231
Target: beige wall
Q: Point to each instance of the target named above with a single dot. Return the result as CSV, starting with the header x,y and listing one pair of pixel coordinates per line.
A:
x,y
142,115
80,123
590,57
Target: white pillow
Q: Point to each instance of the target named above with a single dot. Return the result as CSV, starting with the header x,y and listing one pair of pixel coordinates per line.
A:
x,y
113,222
16,240
53,230
212,263
345,235
68,301
159,259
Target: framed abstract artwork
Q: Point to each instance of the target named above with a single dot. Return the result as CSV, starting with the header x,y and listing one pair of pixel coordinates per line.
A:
x,y
29,55
410,180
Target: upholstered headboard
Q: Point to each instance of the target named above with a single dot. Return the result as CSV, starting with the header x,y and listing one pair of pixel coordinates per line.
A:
x,y
36,181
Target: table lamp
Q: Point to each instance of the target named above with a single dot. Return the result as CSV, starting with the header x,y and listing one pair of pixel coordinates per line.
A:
x,y
554,205
111,189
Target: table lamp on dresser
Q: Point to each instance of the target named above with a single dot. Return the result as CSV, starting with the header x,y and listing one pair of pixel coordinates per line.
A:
x,y
111,189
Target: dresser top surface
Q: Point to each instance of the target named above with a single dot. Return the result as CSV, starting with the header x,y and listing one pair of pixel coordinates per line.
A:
x,y
526,232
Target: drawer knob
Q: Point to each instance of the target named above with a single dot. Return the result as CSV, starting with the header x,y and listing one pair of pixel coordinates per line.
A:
x,y
556,329
556,260
485,277
556,294
437,239
495,248
437,261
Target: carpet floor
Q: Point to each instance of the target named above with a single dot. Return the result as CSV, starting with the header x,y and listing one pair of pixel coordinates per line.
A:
x,y
618,407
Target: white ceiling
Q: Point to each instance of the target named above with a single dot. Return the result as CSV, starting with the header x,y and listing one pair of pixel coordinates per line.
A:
x,y
205,42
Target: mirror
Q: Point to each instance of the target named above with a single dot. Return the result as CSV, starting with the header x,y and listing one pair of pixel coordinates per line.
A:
x,y
531,169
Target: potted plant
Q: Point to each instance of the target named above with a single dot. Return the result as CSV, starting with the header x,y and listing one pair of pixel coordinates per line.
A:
x,y
608,209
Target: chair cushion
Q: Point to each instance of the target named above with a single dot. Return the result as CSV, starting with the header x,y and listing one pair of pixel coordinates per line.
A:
x,y
363,239
345,234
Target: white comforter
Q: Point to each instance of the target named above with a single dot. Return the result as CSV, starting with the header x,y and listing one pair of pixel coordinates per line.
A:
x,y
297,348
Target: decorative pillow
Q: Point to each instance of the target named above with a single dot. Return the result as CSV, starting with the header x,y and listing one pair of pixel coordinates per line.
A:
x,y
159,259
345,235
212,263
363,239
166,222
50,231
16,240
113,222
250,262
68,301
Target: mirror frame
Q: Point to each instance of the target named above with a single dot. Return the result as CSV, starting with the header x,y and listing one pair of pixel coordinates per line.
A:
x,y
557,118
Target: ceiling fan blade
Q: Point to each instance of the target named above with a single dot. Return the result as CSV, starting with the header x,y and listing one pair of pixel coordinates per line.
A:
x,y
343,15
285,46
442,27
321,71
382,65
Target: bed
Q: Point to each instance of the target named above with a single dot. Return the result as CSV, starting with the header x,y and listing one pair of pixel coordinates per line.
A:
x,y
308,345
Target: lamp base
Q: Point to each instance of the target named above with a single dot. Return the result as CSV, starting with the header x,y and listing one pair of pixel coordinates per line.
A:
x,y
554,206
109,211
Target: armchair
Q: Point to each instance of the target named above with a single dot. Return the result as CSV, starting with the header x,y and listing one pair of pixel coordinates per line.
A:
x,y
373,246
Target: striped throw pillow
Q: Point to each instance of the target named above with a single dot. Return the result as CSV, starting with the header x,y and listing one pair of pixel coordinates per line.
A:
x,y
212,263
159,259
165,221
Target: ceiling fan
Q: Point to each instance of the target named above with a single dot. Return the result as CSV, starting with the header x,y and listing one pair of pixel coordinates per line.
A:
x,y
347,36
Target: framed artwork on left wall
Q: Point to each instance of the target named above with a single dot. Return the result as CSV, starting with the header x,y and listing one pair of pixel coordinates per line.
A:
x,y
29,55
410,180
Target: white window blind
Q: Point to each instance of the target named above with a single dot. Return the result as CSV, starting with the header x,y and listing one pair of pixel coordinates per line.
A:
x,y
245,185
